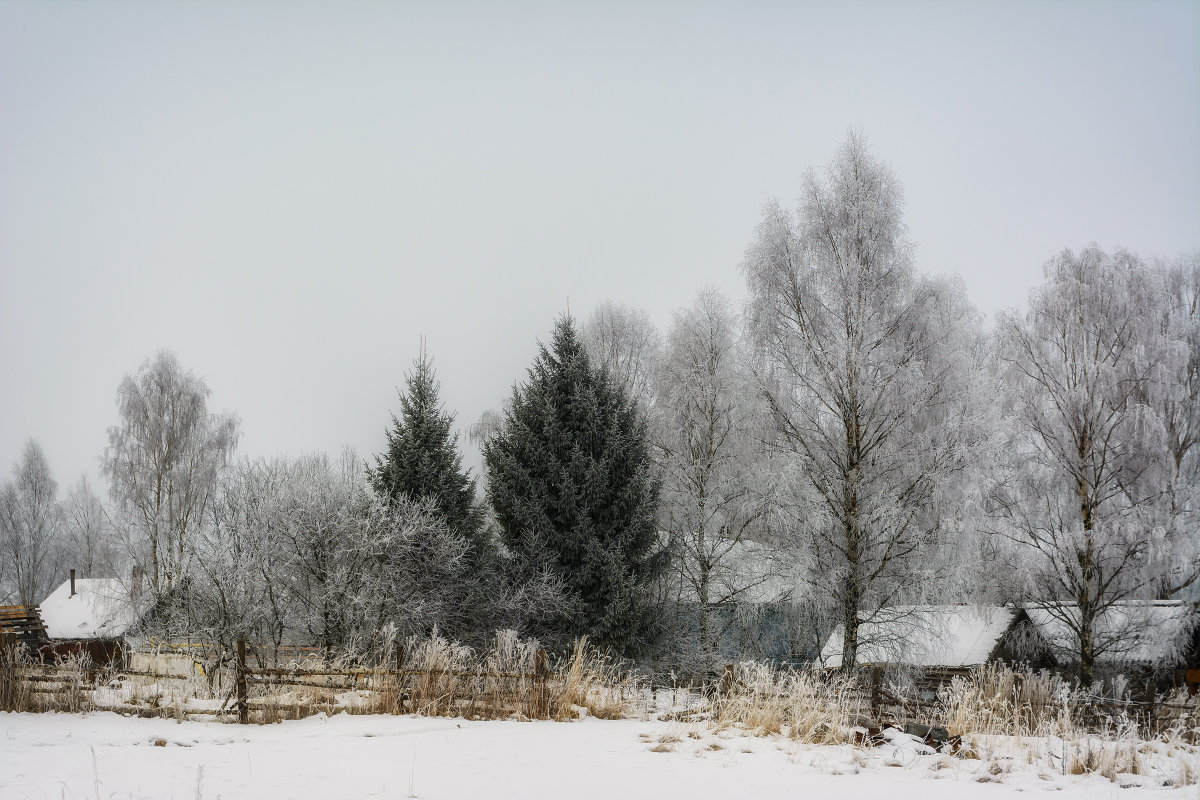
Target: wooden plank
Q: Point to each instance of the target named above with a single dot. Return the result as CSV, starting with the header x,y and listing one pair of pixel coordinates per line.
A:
x,y
277,672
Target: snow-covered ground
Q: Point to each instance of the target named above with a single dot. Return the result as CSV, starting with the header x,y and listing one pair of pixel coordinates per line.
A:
x,y
102,755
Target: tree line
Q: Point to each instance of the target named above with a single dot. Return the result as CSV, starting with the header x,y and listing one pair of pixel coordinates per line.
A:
x,y
855,438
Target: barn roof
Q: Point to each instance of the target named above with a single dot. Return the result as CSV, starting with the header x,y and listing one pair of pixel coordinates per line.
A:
x,y
1148,632
99,609
926,636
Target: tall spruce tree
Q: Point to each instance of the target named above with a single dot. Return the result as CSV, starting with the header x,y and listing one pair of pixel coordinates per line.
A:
x,y
571,480
422,460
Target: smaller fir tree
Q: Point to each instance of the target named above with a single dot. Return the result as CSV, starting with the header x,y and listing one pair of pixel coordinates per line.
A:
x,y
422,460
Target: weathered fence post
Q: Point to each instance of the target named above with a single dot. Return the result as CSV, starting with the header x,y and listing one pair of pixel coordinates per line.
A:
x,y
541,671
876,693
243,705
399,680
8,672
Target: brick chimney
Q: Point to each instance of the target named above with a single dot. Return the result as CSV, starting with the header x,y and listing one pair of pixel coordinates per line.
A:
x,y
72,583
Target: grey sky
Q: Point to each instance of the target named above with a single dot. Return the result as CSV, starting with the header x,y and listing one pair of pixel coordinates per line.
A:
x,y
289,196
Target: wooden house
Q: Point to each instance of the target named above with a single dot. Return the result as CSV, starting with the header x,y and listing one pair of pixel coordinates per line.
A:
x,y
90,615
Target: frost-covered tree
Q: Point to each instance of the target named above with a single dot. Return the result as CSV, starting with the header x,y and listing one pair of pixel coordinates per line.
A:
x,y
30,527
571,481
238,588
864,375
89,541
1180,410
708,430
624,341
304,551
1090,368
162,463
423,461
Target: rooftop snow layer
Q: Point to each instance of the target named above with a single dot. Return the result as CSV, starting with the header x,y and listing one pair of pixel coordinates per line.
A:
x,y
926,636
99,609
1149,632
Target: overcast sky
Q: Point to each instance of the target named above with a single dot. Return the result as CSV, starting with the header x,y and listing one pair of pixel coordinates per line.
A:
x,y
290,196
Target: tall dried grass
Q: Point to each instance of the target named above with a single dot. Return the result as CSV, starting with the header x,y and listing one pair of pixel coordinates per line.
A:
x,y
15,694
592,682
808,706
998,700
26,684
1000,715
435,676
1005,715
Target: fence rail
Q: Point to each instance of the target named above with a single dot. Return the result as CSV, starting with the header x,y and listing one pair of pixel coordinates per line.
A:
x,y
243,690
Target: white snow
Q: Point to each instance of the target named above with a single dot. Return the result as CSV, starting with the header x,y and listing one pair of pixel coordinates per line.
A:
x,y
1149,632
926,636
100,608
102,755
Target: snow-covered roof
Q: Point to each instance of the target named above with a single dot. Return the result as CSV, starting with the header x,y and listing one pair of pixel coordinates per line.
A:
x,y
926,636
99,609
1139,631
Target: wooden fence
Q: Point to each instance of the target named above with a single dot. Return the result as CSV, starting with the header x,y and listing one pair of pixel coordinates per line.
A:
x,y
243,692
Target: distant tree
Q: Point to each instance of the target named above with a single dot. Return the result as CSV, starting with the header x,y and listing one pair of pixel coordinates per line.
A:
x,y
1180,410
624,341
422,461
89,541
709,428
865,378
572,485
1091,367
30,526
162,463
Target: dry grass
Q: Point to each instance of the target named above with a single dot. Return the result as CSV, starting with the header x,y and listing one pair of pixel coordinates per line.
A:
x,y
15,693
431,676
26,684
997,700
1008,716
1003,718
808,706
590,681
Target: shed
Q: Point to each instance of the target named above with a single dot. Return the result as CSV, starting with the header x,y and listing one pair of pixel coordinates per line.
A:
x,y
91,615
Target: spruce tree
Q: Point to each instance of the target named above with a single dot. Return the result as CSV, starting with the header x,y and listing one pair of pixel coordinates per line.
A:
x,y
422,461
571,480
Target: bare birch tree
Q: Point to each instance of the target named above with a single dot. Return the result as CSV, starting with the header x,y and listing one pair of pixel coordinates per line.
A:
x,y
89,541
1090,367
707,427
162,463
864,377
624,341
30,525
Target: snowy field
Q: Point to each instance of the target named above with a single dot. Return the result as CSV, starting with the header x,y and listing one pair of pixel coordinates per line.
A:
x,y
102,755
